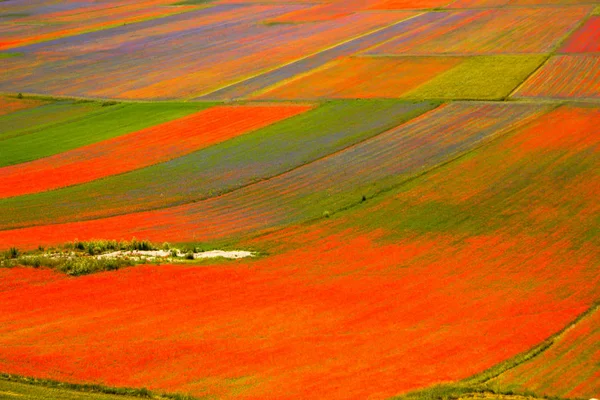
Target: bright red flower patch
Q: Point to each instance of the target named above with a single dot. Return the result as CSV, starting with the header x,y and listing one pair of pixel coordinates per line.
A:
x,y
586,39
343,317
140,149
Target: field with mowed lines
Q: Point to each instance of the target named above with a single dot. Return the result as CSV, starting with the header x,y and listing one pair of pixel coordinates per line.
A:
x,y
300,199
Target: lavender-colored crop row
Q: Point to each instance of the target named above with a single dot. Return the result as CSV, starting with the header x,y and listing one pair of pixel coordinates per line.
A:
x,y
254,84
331,183
216,169
178,56
497,31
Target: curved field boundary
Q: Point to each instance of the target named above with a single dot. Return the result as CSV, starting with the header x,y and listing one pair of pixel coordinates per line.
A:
x,y
108,123
364,297
565,77
569,367
283,73
29,388
328,184
139,149
9,105
31,120
217,169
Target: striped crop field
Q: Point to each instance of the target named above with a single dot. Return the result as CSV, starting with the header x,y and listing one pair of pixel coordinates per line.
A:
x,y
32,119
328,184
139,57
22,29
10,105
479,77
361,287
570,367
300,199
139,149
216,169
323,12
351,78
109,122
408,4
586,39
565,77
492,31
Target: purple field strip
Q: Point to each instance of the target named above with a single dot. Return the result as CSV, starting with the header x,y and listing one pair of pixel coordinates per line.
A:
x,y
247,87
209,42
339,181
39,7
494,31
73,18
156,31
129,48
436,24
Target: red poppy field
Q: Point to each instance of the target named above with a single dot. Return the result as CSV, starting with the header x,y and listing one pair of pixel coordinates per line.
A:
x,y
152,145
299,199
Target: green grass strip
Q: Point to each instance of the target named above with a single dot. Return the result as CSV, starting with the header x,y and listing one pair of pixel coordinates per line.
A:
x,y
479,77
10,55
24,388
111,122
31,120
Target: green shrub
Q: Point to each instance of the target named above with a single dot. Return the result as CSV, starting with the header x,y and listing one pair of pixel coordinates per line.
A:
x,y
13,252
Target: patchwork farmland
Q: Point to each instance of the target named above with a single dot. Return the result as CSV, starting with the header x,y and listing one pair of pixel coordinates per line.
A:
x,y
300,199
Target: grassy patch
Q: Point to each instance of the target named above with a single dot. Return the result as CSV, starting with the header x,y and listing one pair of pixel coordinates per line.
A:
x,y
479,77
10,55
462,391
110,122
86,257
14,15
43,117
23,388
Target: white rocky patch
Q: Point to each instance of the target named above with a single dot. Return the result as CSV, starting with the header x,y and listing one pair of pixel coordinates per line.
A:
x,y
153,254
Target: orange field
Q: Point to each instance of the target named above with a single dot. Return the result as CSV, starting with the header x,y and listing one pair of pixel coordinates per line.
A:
x,y
564,77
70,23
139,149
568,368
351,78
331,320
408,4
300,199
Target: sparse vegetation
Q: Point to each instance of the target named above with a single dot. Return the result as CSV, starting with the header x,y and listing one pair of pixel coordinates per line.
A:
x,y
33,388
87,257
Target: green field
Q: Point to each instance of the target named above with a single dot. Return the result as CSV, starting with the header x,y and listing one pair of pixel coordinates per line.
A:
x,y
479,77
34,119
217,169
109,122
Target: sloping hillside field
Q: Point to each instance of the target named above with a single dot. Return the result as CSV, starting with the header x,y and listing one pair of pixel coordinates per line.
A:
x,y
300,199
